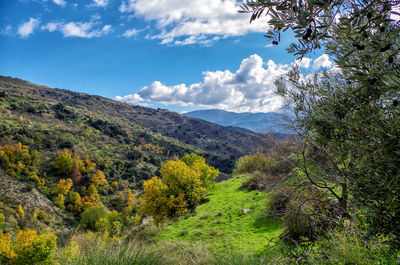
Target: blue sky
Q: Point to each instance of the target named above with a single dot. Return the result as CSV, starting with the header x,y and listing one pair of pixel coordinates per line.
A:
x,y
176,54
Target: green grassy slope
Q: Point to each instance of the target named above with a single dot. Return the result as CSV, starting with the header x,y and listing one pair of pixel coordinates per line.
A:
x,y
221,223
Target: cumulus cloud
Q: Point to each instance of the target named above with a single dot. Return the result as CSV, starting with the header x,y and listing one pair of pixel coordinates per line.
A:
x,y
322,61
27,28
249,89
182,22
59,2
78,29
304,63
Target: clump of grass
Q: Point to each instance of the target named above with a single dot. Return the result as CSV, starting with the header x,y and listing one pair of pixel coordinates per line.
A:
x,y
97,249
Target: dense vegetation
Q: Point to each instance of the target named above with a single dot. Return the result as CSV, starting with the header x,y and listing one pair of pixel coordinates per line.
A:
x,y
118,187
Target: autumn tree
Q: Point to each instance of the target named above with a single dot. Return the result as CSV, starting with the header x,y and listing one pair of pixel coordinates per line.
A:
x,y
98,179
182,187
28,248
157,202
63,186
64,163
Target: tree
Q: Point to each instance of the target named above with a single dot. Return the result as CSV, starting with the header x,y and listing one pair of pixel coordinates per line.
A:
x,y
182,187
98,179
349,115
158,204
63,186
64,163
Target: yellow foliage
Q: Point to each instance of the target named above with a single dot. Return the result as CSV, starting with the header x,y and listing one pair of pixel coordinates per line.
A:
x,y
182,180
6,251
18,161
29,248
72,252
64,185
129,199
76,202
114,184
92,199
89,166
98,179
60,200
63,163
183,185
21,210
158,204
102,224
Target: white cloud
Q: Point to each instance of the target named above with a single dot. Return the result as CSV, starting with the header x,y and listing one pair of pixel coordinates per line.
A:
x,y
7,30
322,61
101,3
51,26
304,63
27,28
133,98
183,22
84,30
130,33
249,89
78,29
59,2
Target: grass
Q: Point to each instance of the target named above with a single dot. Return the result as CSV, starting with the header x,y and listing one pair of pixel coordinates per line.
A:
x,y
221,223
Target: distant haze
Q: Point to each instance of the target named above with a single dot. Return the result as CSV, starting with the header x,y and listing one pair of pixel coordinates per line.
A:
x,y
256,122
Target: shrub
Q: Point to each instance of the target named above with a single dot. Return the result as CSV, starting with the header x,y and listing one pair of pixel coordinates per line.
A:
x,y
251,163
29,248
63,163
350,246
98,179
91,216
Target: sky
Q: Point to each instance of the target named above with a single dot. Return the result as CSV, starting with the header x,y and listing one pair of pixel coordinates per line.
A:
x,y
175,54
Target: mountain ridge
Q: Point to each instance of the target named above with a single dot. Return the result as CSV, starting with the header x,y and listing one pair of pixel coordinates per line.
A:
x,y
274,122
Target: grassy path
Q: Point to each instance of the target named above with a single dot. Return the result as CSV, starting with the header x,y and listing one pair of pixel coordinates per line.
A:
x,y
221,224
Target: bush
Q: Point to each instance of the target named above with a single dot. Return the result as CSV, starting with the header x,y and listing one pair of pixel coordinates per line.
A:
x,y
91,216
29,248
251,163
350,246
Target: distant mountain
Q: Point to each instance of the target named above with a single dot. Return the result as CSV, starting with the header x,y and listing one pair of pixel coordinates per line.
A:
x,y
256,122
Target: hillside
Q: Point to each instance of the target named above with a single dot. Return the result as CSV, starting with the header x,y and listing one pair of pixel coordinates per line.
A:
x,y
256,122
207,138
224,224
92,137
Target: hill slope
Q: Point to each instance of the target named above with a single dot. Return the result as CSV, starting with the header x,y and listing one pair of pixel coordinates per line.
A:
x,y
206,137
221,223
